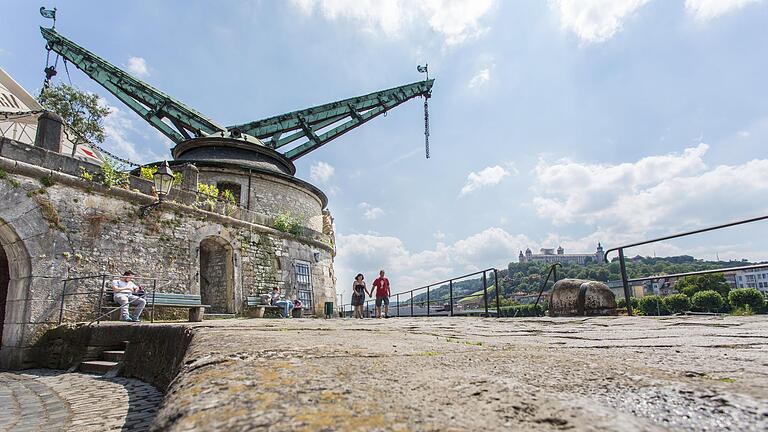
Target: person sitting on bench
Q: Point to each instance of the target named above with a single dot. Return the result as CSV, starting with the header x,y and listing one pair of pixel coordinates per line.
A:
x,y
278,300
124,291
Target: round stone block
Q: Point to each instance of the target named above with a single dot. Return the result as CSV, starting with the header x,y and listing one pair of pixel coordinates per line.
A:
x,y
579,297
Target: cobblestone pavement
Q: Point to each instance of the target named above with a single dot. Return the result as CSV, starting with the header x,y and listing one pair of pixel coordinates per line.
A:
x,y
48,400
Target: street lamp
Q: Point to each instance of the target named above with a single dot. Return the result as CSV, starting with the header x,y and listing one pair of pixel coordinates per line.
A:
x,y
163,179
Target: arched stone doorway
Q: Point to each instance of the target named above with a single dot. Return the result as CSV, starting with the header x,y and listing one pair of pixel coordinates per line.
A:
x,y
5,279
217,279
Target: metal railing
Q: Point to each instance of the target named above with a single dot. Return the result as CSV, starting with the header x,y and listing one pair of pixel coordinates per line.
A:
x,y
552,272
83,309
622,261
412,307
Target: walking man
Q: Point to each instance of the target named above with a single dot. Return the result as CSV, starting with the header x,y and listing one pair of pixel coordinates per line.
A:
x,y
124,292
382,294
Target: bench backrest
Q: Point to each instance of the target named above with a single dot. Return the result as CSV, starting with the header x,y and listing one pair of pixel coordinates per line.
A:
x,y
252,301
168,299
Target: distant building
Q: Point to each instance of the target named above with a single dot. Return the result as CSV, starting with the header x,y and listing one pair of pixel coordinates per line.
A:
x,y
753,278
549,256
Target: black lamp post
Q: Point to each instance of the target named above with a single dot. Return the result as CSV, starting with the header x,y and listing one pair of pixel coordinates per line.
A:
x,y
163,179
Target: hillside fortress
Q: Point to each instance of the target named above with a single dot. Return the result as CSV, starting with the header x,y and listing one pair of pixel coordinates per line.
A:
x,y
548,256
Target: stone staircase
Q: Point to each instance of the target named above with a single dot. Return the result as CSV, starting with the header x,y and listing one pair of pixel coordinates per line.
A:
x,y
107,364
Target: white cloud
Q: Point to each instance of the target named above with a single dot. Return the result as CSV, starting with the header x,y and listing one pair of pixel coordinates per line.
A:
x,y
118,127
487,177
480,78
368,253
439,235
595,21
321,171
454,20
138,67
370,212
705,10
654,194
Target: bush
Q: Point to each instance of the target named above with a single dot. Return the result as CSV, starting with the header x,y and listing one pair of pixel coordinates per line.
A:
x,y
677,303
690,285
622,303
708,301
527,310
746,297
652,305
287,223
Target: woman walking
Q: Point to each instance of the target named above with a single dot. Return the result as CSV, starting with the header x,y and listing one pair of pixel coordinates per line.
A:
x,y
358,295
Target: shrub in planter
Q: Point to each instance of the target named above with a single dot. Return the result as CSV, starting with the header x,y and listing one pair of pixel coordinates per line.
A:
x,y
746,297
622,303
652,305
677,303
708,301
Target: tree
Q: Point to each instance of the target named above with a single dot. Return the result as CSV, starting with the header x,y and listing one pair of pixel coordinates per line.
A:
x,y
743,297
677,303
691,285
708,300
79,109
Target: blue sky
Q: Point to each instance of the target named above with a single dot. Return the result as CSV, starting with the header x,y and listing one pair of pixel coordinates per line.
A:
x,y
552,122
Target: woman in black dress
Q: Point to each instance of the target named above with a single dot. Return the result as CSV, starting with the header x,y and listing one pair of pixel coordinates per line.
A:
x,y
358,295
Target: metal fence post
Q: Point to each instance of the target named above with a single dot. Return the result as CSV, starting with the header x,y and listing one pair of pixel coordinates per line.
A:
x,y
101,296
427,301
61,309
485,293
397,299
498,298
152,314
624,281
450,294
411,303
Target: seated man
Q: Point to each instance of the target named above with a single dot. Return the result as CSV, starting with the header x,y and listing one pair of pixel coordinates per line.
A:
x,y
278,300
124,292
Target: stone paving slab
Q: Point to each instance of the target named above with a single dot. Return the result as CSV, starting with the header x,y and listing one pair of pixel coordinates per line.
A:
x,y
48,400
450,374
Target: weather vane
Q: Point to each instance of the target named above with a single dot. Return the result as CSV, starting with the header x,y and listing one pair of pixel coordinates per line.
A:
x,y
49,13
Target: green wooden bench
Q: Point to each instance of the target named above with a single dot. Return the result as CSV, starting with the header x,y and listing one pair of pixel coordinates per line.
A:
x,y
254,308
189,301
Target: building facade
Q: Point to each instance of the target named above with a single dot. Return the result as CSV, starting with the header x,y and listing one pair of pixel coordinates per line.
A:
x,y
550,256
753,278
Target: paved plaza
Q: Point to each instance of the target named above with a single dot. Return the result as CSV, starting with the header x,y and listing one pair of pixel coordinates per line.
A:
x,y
46,400
427,374
451,374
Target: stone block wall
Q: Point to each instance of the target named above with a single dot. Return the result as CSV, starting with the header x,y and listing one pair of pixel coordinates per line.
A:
x,y
55,225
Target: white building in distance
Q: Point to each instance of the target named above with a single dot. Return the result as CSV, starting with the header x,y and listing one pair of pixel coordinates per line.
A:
x,y
753,278
549,256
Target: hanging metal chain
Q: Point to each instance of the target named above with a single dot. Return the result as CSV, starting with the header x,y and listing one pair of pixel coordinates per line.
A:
x,y
426,123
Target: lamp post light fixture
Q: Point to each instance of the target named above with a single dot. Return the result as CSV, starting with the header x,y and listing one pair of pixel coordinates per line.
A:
x,y
163,179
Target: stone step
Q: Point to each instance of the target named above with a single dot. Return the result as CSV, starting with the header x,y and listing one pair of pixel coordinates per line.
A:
x,y
113,355
210,316
99,367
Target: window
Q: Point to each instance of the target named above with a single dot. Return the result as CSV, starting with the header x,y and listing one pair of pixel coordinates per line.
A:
x,y
304,284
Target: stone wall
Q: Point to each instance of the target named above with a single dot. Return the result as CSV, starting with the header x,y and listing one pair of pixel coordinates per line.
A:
x,y
55,225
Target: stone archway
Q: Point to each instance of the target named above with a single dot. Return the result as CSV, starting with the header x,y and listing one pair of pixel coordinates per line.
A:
x,y
5,279
217,278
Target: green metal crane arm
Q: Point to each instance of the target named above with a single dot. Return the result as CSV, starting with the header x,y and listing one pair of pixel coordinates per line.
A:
x,y
153,105
320,124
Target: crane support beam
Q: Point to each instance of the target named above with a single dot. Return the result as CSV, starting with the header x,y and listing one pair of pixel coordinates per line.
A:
x,y
151,104
307,124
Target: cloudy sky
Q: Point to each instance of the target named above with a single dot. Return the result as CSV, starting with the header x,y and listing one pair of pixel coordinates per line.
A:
x,y
561,122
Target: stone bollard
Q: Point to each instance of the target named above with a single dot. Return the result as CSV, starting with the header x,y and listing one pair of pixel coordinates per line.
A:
x,y
579,297
189,178
50,128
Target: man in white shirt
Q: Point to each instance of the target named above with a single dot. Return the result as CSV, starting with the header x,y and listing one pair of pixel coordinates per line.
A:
x,y
124,292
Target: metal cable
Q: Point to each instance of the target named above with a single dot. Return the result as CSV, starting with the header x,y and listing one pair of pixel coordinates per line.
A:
x,y
426,124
